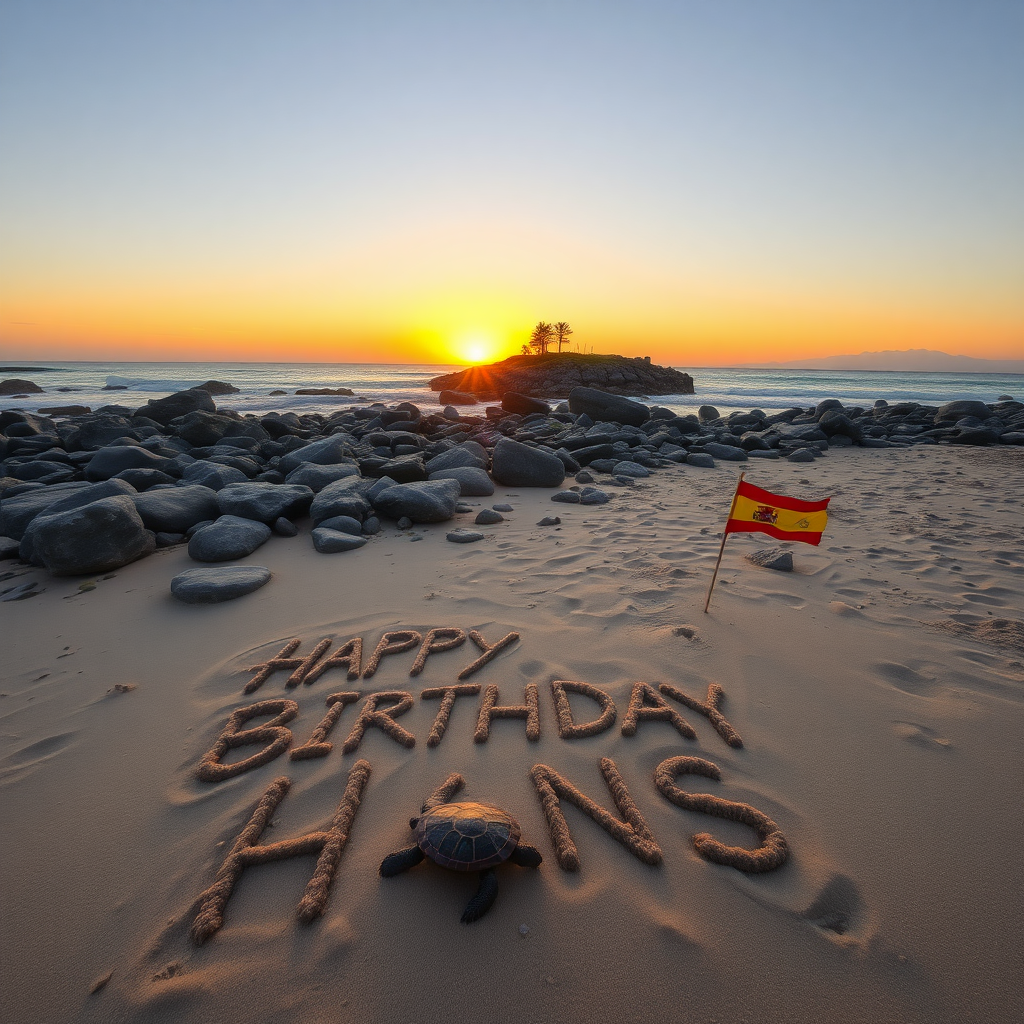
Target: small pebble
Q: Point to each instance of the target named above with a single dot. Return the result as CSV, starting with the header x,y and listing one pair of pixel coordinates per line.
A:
x,y
550,521
524,930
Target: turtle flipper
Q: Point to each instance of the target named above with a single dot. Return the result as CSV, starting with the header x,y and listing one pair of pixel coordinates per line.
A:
x,y
485,895
395,863
526,856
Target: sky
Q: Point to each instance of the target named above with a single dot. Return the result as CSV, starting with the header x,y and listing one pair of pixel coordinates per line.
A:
x,y
708,182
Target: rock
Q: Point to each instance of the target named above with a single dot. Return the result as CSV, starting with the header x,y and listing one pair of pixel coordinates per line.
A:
x,y
584,477
801,455
18,511
175,509
708,414
428,501
163,410
456,398
169,540
567,497
488,517
772,558
371,526
515,464
593,496
550,521
345,497
516,403
975,435
317,477
284,527
330,451
8,547
227,538
599,405
628,468
473,481
836,423
224,583
16,386
66,410
958,410
502,508
328,541
212,474
404,469
701,460
21,591
405,523
725,452
468,454
325,391
828,405
217,387
97,537
463,536
114,459
202,428
264,502
343,524
144,479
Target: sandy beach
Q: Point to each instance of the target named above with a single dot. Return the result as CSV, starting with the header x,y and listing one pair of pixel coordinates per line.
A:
x,y
877,689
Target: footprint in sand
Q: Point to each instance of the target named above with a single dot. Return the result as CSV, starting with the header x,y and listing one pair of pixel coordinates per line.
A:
x,y
921,736
32,755
837,908
905,678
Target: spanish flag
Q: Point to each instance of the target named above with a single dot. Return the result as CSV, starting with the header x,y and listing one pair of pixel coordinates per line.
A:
x,y
757,511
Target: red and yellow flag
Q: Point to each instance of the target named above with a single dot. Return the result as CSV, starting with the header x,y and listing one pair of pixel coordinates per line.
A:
x,y
757,511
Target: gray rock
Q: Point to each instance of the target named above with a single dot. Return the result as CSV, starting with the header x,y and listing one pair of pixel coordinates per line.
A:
x,y
264,502
21,591
404,469
502,508
515,464
110,461
801,455
371,526
346,497
328,541
467,454
828,405
169,540
550,521
567,497
175,509
144,479
330,451
473,481
584,477
958,410
593,496
725,452
284,527
97,537
212,474
224,583
772,558
707,414
8,547
228,538
317,477
428,501
522,405
405,523
19,510
628,468
701,460
599,405
835,423
488,517
343,524
456,398
463,536
163,410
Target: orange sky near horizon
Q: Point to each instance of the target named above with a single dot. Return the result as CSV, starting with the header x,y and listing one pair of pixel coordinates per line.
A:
x,y
701,184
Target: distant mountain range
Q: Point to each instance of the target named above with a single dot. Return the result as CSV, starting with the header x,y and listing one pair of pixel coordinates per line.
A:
x,y
909,359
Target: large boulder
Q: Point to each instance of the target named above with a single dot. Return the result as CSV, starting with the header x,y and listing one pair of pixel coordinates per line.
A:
x,y
599,405
468,454
317,477
17,511
346,497
228,538
97,537
176,509
330,451
473,481
427,501
515,464
958,410
114,459
202,428
212,474
264,502
74,499
521,404
163,410
223,583
17,386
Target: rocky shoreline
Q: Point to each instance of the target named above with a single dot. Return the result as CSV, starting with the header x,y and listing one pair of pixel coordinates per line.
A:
x,y
554,375
90,493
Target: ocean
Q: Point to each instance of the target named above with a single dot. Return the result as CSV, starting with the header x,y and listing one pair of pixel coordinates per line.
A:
x,y
96,384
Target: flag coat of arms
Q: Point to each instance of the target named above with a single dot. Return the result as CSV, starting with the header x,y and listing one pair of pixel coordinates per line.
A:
x,y
755,510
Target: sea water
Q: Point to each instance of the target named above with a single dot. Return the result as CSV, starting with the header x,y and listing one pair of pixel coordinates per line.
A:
x,y
96,384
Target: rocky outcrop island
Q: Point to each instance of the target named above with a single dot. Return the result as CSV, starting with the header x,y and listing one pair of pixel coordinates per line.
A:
x,y
554,375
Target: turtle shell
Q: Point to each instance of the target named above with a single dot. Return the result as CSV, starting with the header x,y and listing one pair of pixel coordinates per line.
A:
x,y
467,836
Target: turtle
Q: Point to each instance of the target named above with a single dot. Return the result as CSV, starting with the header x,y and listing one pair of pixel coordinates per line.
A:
x,y
465,836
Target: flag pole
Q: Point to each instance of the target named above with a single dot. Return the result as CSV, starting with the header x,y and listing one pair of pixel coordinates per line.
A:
x,y
725,534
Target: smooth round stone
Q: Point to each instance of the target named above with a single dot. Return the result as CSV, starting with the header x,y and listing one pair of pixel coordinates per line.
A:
x,y
502,508
700,459
487,517
593,496
328,541
343,524
222,583
568,497
464,536
801,455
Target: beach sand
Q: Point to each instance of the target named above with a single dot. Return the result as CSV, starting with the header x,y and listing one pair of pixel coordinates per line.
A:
x,y
878,690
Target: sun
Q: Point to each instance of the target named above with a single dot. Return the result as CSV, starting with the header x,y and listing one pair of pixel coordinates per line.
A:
x,y
476,348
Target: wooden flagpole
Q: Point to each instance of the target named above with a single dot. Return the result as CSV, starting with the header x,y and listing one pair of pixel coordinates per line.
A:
x,y
721,550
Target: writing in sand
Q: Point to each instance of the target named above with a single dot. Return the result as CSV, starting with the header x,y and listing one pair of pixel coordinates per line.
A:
x,y
381,710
